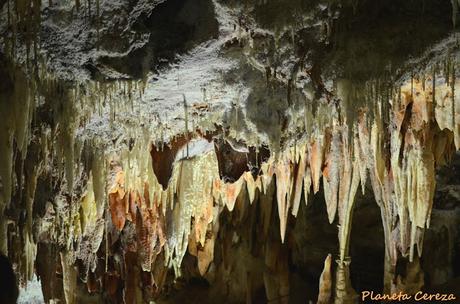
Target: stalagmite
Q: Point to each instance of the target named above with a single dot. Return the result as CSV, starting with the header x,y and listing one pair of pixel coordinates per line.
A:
x,y
325,282
344,292
413,280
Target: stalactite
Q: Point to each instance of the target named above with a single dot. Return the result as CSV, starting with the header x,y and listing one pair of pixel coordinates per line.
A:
x,y
252,185
14,129
301,178
331,174
316,159
186,120
230,192
284,178
415,173
98,23
8,12
382,188
150,232
195,178
307,184
118,202
89,9
349,183
452,88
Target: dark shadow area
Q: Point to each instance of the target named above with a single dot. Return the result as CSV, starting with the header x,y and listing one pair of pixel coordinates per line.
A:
x,y
9,285
377,37
163,158
174,27
234,159
367,244
313,239
441,245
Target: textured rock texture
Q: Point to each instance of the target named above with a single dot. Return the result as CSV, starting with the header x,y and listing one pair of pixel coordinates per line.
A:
x,y
202,151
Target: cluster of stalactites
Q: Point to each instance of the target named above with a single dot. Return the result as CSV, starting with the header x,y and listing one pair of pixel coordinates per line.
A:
x,y
54,149
399,158
16,109
23,19
398,154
